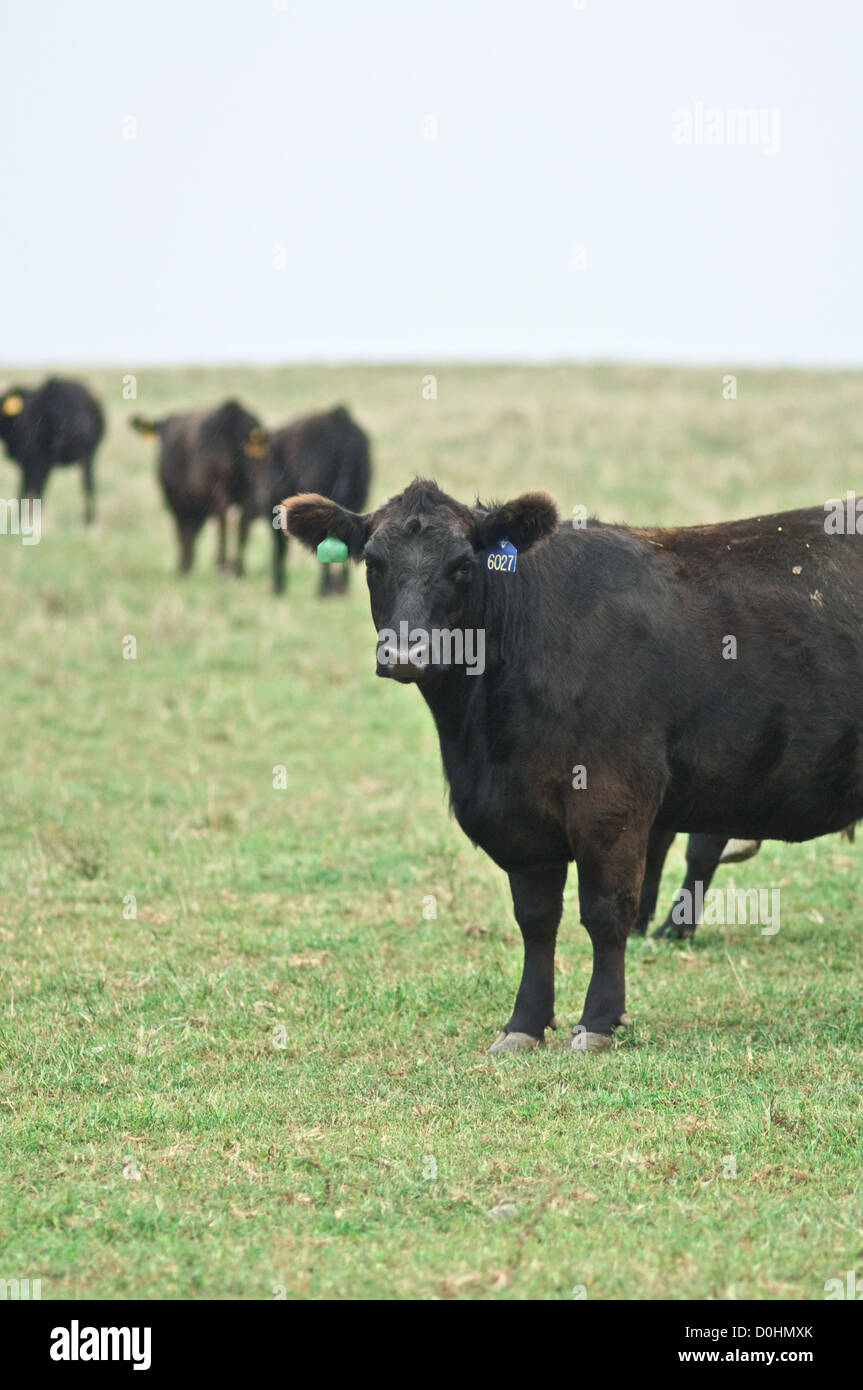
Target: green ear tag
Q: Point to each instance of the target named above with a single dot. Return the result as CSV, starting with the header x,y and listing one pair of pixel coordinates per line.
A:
x,y
332,549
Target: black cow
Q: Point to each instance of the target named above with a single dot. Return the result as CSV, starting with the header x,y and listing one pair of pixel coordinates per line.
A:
x,y
704,854
203,473
52,425
327,453
611,711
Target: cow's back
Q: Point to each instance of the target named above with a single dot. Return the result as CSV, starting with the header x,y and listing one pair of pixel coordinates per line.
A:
x,y
743,648
64,422
327,453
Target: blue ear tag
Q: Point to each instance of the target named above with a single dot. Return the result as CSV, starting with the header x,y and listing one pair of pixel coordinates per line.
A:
x,y
502,557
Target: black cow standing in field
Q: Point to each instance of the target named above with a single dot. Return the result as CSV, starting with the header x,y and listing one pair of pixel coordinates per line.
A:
x,y
52,425
608,713
327,453
704,854
203,472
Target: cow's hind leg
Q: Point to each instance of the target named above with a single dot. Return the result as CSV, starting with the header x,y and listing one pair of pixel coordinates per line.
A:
x,y
657,851
244,522
702,857
89,490
537,899
34,475
327,584
280,550
222,550
187,533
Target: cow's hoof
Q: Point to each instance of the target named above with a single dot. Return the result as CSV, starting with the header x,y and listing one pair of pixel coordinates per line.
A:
x,y
516,1042
582,1041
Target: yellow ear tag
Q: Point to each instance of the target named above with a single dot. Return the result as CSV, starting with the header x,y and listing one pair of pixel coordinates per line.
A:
x,y
254,449
13,405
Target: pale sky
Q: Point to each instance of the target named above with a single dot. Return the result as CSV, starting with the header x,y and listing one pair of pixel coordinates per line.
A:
x,y
452,179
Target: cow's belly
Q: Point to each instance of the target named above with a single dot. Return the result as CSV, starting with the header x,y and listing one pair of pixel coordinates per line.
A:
x,y
743,825
774,811
788,773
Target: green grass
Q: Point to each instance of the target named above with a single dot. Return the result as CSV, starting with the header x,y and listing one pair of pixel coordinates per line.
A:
x,y
380,1152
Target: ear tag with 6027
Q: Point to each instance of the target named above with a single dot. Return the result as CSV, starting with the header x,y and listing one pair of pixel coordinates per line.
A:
x,y
502,557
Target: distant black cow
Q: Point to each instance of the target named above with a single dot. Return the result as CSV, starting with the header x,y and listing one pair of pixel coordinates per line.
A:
x,y
203,472
704,854
611,709
54,424
328,454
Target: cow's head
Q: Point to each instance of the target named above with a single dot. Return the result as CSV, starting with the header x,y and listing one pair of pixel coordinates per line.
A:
x,y
234,429
257,467
424,554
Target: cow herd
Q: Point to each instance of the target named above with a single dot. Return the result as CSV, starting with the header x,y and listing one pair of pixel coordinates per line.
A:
x,y
214,463
211,461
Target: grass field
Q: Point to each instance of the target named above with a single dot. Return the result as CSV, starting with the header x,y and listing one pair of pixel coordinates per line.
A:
x,y
160,1137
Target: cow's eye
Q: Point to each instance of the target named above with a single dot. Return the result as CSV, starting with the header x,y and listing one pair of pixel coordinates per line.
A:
x,y
461,569
373,564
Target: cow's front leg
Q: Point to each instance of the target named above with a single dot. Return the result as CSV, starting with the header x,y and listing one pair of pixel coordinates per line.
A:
x,y
609,887
537,899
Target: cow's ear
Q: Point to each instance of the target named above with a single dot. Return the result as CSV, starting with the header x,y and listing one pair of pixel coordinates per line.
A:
x,y
13,404
148,428
256,446
524,521
311,518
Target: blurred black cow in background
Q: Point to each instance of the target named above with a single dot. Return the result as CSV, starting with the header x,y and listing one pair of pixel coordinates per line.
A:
x,y
203,473
53,424
326,453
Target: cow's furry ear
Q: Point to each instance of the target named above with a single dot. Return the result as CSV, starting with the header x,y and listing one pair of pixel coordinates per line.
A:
x,y
524,521
311,518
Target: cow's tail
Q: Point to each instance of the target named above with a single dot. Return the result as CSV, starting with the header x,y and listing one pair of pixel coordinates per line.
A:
x,y
850,831
150,429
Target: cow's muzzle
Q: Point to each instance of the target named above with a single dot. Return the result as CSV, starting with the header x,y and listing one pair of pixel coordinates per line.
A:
x,y
404,660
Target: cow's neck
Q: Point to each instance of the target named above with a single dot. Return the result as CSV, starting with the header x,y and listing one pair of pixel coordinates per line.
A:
x,y
460,702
